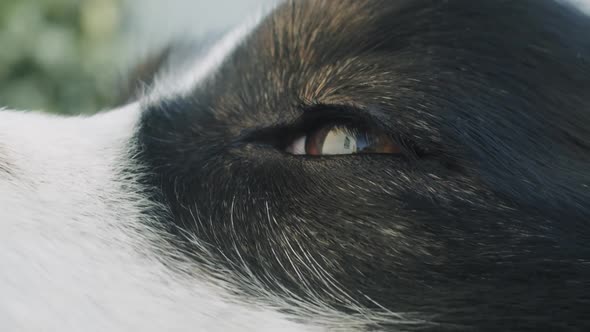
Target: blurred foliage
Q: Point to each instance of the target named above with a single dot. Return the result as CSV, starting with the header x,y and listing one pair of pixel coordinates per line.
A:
x,y
59,55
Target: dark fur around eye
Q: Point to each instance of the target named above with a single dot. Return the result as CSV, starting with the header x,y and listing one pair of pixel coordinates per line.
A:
x,y
487,229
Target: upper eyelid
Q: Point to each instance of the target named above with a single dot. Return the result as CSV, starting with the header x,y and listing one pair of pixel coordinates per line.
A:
x,y
368,116
312,117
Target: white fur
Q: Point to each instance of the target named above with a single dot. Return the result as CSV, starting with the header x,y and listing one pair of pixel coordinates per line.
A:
x,y
181,80
74,254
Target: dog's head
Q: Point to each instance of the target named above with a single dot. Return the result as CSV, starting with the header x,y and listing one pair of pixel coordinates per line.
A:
x,y
339,164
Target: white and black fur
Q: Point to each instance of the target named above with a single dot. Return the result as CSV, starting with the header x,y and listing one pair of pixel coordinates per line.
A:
x,y
181,211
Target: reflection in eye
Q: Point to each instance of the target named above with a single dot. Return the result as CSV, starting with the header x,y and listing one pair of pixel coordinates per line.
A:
x,y
342,140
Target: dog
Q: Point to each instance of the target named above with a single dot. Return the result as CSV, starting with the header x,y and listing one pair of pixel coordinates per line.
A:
x,y
333,165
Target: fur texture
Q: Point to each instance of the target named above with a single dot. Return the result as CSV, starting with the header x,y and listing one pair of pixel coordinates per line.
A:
x,y
182,211
77,253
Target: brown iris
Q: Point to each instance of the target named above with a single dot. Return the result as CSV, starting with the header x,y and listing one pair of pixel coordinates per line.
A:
x,y
343,140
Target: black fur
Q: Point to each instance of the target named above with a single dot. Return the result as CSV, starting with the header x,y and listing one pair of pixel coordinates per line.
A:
x,y
482,223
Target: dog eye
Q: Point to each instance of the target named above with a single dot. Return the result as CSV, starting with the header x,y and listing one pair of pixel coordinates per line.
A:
x,y
342,140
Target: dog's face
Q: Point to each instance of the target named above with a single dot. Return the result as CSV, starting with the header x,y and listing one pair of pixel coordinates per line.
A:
x,y
346,165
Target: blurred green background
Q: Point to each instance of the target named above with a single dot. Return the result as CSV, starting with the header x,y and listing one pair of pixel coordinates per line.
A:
x,y
72,56
59,55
